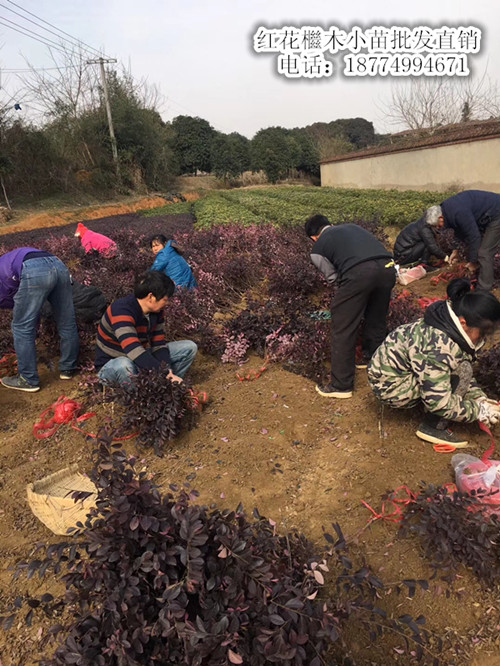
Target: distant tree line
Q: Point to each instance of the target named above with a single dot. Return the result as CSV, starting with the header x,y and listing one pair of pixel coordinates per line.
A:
x,y
276,151
69,149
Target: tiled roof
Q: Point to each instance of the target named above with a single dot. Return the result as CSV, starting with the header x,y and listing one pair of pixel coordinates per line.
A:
x,y
415,139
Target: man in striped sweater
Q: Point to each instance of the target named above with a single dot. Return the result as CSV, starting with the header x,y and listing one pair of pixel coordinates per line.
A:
x,y
130,336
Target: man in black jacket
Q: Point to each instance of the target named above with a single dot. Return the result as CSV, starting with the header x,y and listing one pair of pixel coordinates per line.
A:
x,y
417,243
474,216
353,258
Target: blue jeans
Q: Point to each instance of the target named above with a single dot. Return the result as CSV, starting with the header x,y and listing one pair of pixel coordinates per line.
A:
x,y
119,370
44,278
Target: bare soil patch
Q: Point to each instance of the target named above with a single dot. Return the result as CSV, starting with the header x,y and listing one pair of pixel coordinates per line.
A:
x,y
42,220
273,443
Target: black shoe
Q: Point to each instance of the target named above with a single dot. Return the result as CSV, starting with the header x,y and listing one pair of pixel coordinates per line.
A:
x,y
363,360
69,374
435,436
330,391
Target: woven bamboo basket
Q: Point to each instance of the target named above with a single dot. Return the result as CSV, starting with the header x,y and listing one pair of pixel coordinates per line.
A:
x,y
51,501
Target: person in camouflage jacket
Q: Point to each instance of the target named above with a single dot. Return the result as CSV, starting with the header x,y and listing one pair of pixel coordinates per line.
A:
x,y
430,361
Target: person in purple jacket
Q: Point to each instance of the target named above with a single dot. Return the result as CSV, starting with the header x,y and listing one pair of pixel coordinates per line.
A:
x,y
29,277
474,216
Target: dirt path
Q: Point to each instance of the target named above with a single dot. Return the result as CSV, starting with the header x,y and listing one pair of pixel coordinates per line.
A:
x,y
56,218
272,443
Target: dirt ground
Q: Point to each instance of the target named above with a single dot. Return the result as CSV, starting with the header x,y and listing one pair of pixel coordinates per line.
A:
x,y
273,443
55,217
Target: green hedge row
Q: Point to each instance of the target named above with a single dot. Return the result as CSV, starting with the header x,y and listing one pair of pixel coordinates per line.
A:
x,y
216,208
281,205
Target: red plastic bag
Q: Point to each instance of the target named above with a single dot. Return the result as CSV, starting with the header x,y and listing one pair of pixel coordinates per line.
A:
x,y
473,474
8,365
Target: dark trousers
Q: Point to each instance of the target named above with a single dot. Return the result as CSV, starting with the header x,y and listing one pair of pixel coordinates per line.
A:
x,y
490,245
364,291
418,252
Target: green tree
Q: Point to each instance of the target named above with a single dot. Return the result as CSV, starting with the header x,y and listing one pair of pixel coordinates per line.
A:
x,y
75,129
341,136
307,159
271,151
192,143
294,150
31,164
358,131
230,155
277,151
141,135
240,147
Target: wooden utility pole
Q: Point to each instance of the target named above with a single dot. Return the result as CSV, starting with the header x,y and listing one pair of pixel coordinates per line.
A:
x,y
101,61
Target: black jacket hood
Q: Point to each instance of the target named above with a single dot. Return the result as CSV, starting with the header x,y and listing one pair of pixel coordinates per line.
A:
x,y
438,316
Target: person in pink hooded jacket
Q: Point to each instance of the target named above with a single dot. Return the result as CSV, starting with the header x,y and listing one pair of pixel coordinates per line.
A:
x,y
91,240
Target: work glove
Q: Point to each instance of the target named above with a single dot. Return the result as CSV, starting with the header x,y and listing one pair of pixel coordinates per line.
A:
x,y
489,412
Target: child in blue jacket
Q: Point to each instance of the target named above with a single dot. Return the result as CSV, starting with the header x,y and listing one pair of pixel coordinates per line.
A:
x,y
169,261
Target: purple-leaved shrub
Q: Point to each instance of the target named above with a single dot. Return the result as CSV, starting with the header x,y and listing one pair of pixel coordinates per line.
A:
x,y
404,308
253,281
487,371
155,578
155,407
236,349
454,530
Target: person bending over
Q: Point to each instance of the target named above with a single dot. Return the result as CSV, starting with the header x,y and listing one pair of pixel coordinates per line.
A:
x,y
353,258
28,278
474,216
94,242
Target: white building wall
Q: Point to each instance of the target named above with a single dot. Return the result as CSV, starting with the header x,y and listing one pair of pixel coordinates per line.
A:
x,y
469,165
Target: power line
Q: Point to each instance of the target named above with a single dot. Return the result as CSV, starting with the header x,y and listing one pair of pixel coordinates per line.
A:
x,y
35,69
90,48
25,18
47,39
58,48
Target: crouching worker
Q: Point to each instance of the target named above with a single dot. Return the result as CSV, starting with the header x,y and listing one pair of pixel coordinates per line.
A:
x,y
417,243
430,361
170,261
94,242
134,322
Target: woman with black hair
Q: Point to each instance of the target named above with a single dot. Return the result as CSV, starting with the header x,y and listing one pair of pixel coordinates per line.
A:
x,y
169,260
430,361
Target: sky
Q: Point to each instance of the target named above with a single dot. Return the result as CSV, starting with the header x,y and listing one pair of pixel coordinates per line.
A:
x,y
201,54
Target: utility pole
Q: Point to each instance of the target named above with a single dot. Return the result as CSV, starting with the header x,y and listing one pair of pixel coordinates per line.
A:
x,y
101,61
